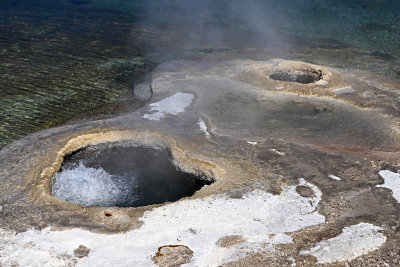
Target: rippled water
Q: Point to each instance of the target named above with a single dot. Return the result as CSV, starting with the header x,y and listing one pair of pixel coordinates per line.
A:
x,y
69,59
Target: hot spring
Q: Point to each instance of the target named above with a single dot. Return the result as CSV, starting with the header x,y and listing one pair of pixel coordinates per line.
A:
x,y
123,175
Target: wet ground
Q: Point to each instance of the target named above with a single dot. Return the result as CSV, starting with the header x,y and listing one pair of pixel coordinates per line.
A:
x,y
281,194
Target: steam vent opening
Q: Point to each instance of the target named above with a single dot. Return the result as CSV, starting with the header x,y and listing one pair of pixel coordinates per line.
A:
x,y
124,176
307,76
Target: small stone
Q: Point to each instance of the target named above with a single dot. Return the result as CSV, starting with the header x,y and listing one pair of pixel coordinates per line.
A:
x,y
334,177
235,194
321,82
230,240
305,191
344,91
81,251
367,95
273,150
252,143
172,255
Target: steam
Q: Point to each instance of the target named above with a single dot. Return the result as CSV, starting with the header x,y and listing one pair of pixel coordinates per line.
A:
x,y
207,26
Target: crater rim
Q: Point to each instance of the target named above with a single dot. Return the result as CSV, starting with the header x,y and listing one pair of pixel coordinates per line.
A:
x,y
181,159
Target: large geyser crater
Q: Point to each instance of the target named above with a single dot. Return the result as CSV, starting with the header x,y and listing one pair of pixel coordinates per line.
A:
x,y
124,175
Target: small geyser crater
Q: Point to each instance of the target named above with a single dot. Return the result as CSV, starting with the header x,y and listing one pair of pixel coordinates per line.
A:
x,y
307,76
123,175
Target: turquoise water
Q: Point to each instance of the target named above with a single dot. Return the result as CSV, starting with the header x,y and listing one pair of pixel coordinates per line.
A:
x,y
71,59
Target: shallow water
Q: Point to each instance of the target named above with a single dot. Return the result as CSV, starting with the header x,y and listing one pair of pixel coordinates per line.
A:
x,y
64,59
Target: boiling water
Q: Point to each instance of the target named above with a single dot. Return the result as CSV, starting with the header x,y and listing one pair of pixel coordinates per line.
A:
x,y
123,175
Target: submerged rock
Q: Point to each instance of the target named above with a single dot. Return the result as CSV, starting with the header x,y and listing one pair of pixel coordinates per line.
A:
x,y
123,63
